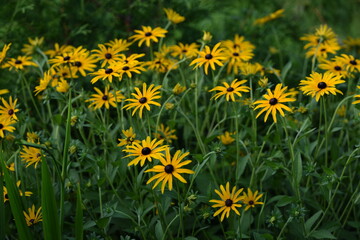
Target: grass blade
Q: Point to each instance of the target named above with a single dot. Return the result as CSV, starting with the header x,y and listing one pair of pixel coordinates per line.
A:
x,y
79,231
50,222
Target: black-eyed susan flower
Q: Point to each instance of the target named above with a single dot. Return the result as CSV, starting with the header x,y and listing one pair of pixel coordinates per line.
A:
x,y
29,49
143,99
107,55
226,138
5,125
33,217
319,84
9,109
251,199
161,63
129,138
32,137
230,200
352,44
229,91
235,55
4,51
105,98
173,16
19,63
263,82
59,50
129,68
351,63
274,102
109,73
4,91
357,96
18,183
178,89
322,51
335,66
147,34
67,58
119,44
239,43
146,150
165,133
171,167
185,50
43,83
84,62
209,57
206,36
62,86
31,155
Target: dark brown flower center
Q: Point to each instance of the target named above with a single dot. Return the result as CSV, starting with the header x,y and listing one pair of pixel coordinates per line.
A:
x,y
251,202
337,68
1,126
235,54
78,64
18,62
67,58
323,50
184,50
142,100
208,56
64,74
236,46
228,202
145,151
125,68
157,62
230,89
105,98
148,34
273,101
6,196
322,85
32,220
108,70
353,62
38,155
108,56
11,112
169,168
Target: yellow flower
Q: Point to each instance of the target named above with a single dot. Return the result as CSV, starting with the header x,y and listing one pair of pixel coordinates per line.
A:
x,y
352,44
59,50
251,199
207,36
165,133
263,82
161,63
129,138
84,62
319,84
230,90
105,99
352,64
209,57
178,89
169,106
33,218
274,102
4,91
63,86
44,82
109,73
147,34
107,55
129,68
4,51
335,66
341,111
119,44
173,16
32,137
171,167
29,49
229,201
5,125
19,63
31,155
272,16
357,96
143,99
185,50
226,138
9,109
147,150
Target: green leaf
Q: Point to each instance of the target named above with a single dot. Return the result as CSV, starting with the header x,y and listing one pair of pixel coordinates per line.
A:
x,y
285,70
191,238
285,200
322,234
15,204
159,231
50,221
2,208
241,166
102,222
297,169
310,222
79,233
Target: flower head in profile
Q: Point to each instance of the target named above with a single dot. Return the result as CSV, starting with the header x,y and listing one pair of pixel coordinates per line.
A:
x,y
105,98
9,110
146,150
165,133
209,57
170,167
147,34
319,84
270,17
173,16
32,217
119,44
143,99
235,88
30,48
207,36
185,50
31,155
230,200
62,86
4,51
178,89
274,102
58,50
129,138
108,73
226,138
251,199
19,63
357,96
